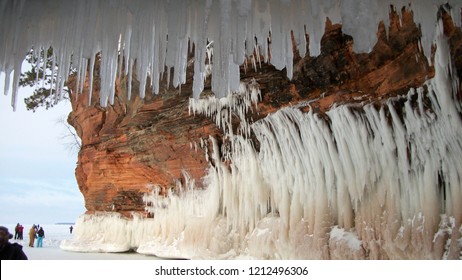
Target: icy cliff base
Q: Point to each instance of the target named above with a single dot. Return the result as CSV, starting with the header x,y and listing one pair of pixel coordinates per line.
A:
x,y
202,239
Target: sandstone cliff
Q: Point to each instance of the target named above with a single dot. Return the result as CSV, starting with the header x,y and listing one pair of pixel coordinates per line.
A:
x,y
134,144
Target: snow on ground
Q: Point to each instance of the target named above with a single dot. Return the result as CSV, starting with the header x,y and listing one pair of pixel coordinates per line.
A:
x,y
52,263
54,234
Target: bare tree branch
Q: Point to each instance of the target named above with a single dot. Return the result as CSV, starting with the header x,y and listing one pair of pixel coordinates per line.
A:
x,y
70,138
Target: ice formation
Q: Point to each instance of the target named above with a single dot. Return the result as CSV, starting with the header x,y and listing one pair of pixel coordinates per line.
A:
x,y
154,37
364,183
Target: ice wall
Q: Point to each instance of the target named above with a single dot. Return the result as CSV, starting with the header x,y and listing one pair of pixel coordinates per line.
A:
x,y
154,37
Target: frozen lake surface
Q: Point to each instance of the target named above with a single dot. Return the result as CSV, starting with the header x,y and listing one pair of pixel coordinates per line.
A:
x,y
54,234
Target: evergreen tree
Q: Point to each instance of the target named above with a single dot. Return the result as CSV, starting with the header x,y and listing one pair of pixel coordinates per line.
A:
x,y
43,79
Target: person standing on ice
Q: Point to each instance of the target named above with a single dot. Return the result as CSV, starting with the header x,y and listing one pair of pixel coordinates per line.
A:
x,y
20,232
40,236
16,231
70,229
32,234
9,251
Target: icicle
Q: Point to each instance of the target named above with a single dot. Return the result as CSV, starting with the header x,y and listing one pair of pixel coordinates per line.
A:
x,y
156,34
53,71
7,83
90,79
45,63
16,76
83,76
130,75
78,77
57,83
37,55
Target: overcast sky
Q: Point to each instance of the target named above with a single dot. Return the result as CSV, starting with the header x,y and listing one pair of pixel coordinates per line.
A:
x,y
37,180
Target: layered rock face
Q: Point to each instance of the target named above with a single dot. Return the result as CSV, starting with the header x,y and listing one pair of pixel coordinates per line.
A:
x,y
132,145
135,144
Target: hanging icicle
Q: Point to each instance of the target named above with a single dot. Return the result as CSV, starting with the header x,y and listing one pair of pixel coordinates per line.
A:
x,y
155,35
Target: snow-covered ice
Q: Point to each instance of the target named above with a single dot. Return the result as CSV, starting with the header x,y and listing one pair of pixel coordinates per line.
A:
x,y
57,233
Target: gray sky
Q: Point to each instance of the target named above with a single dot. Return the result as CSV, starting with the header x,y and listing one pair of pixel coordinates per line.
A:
x,y
37,180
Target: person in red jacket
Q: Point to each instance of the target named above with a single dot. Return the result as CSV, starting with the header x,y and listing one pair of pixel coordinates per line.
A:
x,y
9,251
20,232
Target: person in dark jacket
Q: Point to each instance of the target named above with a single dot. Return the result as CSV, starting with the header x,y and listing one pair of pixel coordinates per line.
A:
x,y
16,231
40,236
9,251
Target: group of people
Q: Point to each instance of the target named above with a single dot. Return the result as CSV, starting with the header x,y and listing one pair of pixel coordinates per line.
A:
x,y
14,251
18,231
36,232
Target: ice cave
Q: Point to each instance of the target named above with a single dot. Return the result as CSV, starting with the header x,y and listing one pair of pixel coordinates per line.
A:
x,y
374,174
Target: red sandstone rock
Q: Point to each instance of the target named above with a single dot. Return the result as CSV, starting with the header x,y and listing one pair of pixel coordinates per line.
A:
x,y
132,144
